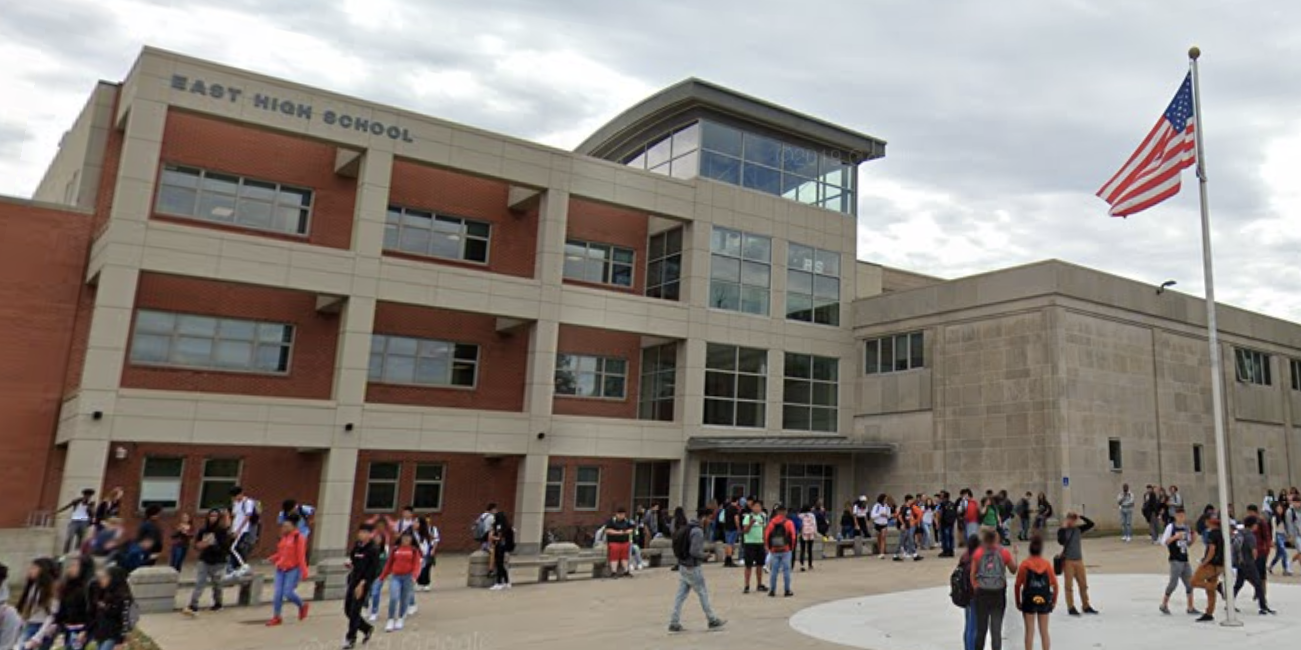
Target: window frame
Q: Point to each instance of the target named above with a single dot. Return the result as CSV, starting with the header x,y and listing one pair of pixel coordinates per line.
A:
x,y
559,485
175,335
736,374
452,362
877,343
396,481
652,375
205,479
1253,366
607,261
812,382
601,374
1115,455
396,216
305,217
1199,458
813,273
1262,462
742,260
690,167
180,481
1295,366
416,482
579,484
657,289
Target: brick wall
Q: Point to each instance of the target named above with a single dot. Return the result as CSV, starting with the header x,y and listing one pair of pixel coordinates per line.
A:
x,y
606,343
615,490
42,262
503,358
108,175
268,474
606,224
470,482
513,239
266,155
311,366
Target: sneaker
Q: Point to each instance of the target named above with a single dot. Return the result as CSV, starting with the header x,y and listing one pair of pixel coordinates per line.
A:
x,y
190,611
1165,610
496,587
1205,618
1263,612
772,594
275,620
898,559
801,569
746,590
717,623
789,594
365,636
1193,611
761,588
1090,610
372,617
506,586
215,608
349,645
389,626
1073,612
400,624
674,627
413,609
917,558
302,611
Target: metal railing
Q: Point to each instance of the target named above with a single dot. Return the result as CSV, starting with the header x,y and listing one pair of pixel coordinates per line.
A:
x,y
40,519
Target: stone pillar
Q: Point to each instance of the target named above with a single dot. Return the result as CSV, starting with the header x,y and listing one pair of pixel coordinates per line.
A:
x,y
154,588
677,496
530,497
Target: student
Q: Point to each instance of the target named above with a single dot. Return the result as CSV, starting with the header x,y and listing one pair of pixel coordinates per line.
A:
x,y
860,514
618,540
109,508
182,533
39,601
138,553
990,565
969,509
848,525
808,533
429,540
689,550
402,565
752,544
151,529
989,515
652,521
1279,518
109,540
244,521
290,561
1125,501
928,524
1070,536
503,544
1264,534
778,540
364,568
1177,538
639,539
1043,512
11,624
1035,593
965,568
1244,561
110,601
304,512
213,544
731,515
880,522
79,522
383,540
1024,513
907,522
483,526
73,614
1207,575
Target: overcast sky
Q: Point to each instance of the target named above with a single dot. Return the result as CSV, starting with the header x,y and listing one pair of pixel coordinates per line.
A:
x,y
1003,118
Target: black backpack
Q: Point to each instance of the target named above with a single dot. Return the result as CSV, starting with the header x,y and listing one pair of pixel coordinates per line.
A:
x,y
948,513
682,542
960,589
777,538
1037,591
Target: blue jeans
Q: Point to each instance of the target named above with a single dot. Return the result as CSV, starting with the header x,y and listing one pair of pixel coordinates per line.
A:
x,y
178,557
969,632
375,589
285,584
1280,551
946,539
692,578
30,630
400,593
781,563
107,644
846,532
1126,522
928,537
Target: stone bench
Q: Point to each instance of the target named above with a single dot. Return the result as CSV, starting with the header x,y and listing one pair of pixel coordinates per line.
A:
x,y
600,564
857,545
547,566
250,588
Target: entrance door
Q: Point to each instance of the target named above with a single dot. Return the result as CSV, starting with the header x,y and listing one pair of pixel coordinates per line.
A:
x,y
718,481
802,492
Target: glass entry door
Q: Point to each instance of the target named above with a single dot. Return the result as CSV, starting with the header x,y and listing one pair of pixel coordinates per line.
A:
x,y
719,481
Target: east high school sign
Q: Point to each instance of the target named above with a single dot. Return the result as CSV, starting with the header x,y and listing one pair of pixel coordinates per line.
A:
x,y
290,108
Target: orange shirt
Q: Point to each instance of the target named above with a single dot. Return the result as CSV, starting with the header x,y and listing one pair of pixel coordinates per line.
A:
x,y
980,552
1039,564
291,553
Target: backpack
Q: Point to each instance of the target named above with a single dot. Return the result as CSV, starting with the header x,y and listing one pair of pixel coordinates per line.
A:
x,y
481,527
682,542
948,513
1239,557
991,572
1038,590
960,585
777,538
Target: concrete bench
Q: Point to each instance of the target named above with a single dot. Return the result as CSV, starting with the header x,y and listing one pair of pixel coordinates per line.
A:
x,y
250,588
547,566
600,564
857,545
654,556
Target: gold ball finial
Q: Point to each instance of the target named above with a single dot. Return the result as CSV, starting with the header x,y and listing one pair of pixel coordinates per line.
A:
x,y
1194,52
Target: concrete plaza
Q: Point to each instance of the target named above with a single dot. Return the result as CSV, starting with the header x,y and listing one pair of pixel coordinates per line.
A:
x,y
632,614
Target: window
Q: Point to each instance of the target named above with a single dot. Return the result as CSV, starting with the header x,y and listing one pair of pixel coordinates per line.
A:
x,y
757,162
555,498
664,265
1253,367
219,476
1113,454
186,340
1197,459
598,263
650,483
812,285
426,362
234,200
1260,462
428,494
895,353
587,376
1296,373
810,393
160,482
803,484
740,271
382,487
675,154
424,233
719,481
587,488
736,385
659,377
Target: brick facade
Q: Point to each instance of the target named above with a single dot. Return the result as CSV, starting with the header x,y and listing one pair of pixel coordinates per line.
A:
x,y
503,358
224,147
605,343
512,242
42,259
615,491
311,364
606,224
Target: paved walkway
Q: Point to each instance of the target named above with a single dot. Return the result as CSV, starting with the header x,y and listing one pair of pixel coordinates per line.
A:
x,y
629,614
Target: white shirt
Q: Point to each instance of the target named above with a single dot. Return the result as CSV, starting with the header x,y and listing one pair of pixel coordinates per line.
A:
x,y
241,511
859,512
81,511
880,514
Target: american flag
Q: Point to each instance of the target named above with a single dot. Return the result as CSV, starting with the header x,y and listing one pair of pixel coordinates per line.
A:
x,y
1151,175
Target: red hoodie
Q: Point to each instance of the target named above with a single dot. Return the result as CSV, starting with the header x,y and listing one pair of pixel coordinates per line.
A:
x,y
291,553
780,520
402,561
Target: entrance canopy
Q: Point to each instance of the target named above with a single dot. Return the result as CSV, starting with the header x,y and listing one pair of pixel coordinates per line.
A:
x,y
788,445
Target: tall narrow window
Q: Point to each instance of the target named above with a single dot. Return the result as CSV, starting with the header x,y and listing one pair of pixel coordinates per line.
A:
x,y
555,487
1296,373
664,265
219,476
736,386
740,271
160,482
1253,367
1197,459
1260,462
659,370
810,393
587,488
382,487
1113,454
812,285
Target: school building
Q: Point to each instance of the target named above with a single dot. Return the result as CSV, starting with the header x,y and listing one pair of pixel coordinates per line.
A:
x,y
226,278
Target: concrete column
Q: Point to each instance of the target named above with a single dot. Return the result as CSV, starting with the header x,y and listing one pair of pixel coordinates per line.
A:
x,y
676,494
771,485
83,467
695,264
690,472
775,390
334,502
530,497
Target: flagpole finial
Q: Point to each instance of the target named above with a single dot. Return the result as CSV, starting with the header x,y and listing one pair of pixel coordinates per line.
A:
x,y
1194,52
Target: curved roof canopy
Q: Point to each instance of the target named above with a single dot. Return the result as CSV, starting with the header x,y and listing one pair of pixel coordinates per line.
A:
x,y
692,97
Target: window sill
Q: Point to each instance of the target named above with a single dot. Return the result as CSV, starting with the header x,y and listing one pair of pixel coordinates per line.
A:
x,y
895,372
302,238
225,371
611,400
374,382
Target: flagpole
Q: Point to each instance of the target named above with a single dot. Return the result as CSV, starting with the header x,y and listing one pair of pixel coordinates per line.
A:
x,y
1213,336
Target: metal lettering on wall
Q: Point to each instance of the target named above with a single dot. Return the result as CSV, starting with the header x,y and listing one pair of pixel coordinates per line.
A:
x,y
288,107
